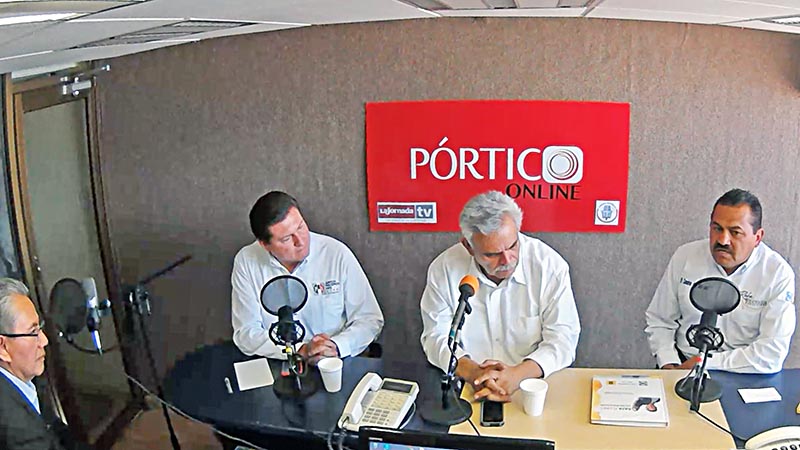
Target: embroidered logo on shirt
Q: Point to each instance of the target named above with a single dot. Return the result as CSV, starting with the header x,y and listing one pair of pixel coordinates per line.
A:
x,y
789,296
685,281
750,302
327,287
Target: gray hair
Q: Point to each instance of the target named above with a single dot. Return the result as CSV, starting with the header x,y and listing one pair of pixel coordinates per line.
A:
x,y
484,214
8,317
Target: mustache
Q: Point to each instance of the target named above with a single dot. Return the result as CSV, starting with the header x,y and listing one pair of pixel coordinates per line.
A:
x,y
724,248
504,268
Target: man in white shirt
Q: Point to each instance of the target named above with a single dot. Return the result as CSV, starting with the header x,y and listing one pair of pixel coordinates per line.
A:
x,y
758,332
523,324
341,316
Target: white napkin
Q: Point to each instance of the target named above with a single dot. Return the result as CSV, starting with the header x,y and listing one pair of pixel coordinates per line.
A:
x,y
253,374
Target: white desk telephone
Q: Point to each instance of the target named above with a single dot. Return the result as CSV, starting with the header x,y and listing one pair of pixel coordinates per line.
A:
x,y
378,402
776,438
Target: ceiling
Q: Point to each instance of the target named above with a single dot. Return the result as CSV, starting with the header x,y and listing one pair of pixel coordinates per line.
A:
x,y
72,31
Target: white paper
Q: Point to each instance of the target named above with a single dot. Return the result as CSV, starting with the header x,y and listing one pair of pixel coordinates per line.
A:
x,y
769,394
253,374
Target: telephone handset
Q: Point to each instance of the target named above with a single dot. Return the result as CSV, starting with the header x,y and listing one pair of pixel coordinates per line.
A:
x,y
781,437
378,402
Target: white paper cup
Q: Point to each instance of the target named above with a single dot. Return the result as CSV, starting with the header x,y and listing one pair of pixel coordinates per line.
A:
x,y
534,391
331,371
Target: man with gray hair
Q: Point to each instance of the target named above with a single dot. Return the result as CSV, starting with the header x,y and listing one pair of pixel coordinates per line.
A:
x,y
27,421
523,324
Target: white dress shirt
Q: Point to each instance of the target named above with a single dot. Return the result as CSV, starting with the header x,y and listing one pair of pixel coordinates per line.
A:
x,y
529,315
757,333
340,299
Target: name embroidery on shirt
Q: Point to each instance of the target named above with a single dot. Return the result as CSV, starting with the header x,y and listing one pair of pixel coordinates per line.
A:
x,y
685,281
326,287
750,302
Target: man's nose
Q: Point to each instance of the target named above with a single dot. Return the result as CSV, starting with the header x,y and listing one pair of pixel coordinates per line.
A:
x,y
504,258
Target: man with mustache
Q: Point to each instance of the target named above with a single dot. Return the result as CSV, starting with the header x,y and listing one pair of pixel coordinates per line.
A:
x,y
27,419
758,332
523,324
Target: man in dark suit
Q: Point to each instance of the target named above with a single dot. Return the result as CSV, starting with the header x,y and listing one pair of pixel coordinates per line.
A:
x,y
27,421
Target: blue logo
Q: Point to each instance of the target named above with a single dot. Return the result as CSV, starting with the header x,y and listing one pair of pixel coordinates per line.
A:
x,y
607,212
425,211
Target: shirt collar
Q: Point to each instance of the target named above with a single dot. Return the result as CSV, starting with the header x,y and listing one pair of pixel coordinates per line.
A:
x,y
27,387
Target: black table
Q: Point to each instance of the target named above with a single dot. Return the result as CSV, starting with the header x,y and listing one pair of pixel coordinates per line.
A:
x,y
747,420
196,386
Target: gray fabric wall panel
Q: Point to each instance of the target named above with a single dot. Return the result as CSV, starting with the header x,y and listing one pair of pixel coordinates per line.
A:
x,y
192,135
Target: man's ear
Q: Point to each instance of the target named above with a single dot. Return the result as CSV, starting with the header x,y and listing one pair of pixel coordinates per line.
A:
x,y
4,355
466,245
759,236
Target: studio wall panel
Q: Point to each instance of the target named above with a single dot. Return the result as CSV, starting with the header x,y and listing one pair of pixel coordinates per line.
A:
x,y
192,135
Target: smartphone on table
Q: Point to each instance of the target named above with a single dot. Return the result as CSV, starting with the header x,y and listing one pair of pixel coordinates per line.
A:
x,y
491,414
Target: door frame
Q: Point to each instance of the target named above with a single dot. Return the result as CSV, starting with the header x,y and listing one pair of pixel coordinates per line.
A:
x,y
31,95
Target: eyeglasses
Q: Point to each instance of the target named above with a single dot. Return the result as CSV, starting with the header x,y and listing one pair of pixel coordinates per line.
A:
x,y
39,329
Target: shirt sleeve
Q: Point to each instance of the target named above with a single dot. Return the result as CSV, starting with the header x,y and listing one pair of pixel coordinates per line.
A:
x,y
364,319
437,308
777,323
560,325
662,317
250,334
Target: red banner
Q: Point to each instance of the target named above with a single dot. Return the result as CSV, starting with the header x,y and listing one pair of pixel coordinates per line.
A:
x,y
565,163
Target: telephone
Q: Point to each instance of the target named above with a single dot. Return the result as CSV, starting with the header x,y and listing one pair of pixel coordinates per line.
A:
x,y
378,402
781,437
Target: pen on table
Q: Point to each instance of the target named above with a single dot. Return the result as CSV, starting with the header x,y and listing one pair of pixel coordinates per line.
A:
x,y
228,385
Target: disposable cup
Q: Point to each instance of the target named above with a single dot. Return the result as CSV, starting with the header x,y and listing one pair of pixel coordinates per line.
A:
x,y
331,371
534,391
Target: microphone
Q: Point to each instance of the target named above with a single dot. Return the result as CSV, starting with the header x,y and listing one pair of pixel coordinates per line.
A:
x,y
468,287
706,335
713,296
286,324
75,305
92,312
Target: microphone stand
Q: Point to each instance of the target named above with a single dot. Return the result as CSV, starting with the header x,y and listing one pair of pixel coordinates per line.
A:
x,y
446,412
702,388
139,301
290,384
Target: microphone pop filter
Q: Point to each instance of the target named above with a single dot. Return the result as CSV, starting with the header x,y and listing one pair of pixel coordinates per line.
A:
x,y
715,295
284,290
68,305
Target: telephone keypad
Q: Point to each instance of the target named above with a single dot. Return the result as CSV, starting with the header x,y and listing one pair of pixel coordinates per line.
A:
x,y
384,408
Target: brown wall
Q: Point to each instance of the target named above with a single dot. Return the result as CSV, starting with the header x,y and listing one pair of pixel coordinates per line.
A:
x,y
192,135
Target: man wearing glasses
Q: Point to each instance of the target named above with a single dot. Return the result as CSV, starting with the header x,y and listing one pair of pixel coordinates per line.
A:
x,y
26,422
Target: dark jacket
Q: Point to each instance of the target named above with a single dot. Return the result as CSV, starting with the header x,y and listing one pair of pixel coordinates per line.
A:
x,y
22,428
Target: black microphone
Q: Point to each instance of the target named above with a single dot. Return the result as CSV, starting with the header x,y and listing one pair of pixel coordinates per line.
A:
x,y
287,330
707,334
468,287
713,296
